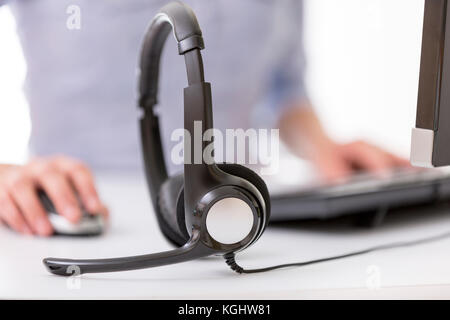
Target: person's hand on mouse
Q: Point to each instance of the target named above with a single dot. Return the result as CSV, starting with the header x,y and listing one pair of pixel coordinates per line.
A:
x,y
303,133
62,178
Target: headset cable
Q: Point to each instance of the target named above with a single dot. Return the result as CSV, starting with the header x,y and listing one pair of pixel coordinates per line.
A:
x,y
231,261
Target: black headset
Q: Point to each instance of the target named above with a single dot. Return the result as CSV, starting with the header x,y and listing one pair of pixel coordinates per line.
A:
x,y
211,209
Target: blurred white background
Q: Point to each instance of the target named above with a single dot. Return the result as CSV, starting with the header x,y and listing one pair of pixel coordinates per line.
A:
x,y
363,68
14,121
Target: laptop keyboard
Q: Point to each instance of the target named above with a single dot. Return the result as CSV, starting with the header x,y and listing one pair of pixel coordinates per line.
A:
x,y
365,182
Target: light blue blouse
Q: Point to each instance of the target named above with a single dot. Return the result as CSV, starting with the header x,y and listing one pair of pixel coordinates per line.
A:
x,y
81,83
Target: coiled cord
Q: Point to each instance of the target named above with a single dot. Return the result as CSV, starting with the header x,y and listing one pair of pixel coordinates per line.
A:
x,y
230,258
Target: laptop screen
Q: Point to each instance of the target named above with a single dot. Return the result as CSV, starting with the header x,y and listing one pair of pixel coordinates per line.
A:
x,y
431,136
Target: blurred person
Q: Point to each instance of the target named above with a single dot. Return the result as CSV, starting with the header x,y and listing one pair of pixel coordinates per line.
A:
x,y
82,57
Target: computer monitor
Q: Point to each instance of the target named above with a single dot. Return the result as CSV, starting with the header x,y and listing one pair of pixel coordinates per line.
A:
x,y
430,143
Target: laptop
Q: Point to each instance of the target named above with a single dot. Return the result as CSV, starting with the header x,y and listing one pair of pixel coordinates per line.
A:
x,y
361,194
430,147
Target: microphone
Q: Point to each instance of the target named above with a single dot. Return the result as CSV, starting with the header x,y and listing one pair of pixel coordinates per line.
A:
x,y
193,249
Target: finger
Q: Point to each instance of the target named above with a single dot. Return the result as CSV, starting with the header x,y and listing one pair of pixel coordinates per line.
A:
x,y
11,214
368,158
399,161
25,197
62,194
105,211
332,168
83,181
396,161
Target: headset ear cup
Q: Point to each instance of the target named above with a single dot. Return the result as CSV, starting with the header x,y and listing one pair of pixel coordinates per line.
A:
x,y
252,177
171,201
171,205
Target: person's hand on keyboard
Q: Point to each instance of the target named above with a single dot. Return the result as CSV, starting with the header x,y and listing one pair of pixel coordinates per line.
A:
x,y
302,131
336,161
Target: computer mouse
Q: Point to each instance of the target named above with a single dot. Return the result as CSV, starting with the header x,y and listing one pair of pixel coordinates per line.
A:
x,y
88,225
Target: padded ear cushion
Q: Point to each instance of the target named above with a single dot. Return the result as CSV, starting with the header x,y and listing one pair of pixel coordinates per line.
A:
x,y
168,201
171,200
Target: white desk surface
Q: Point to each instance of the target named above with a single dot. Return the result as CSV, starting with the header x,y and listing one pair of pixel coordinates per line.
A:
x,y
415,272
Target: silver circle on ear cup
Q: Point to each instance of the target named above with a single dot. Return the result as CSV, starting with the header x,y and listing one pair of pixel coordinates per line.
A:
x,y
229,220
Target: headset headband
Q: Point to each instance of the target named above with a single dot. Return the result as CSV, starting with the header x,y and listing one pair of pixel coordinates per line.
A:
x,y
177,17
